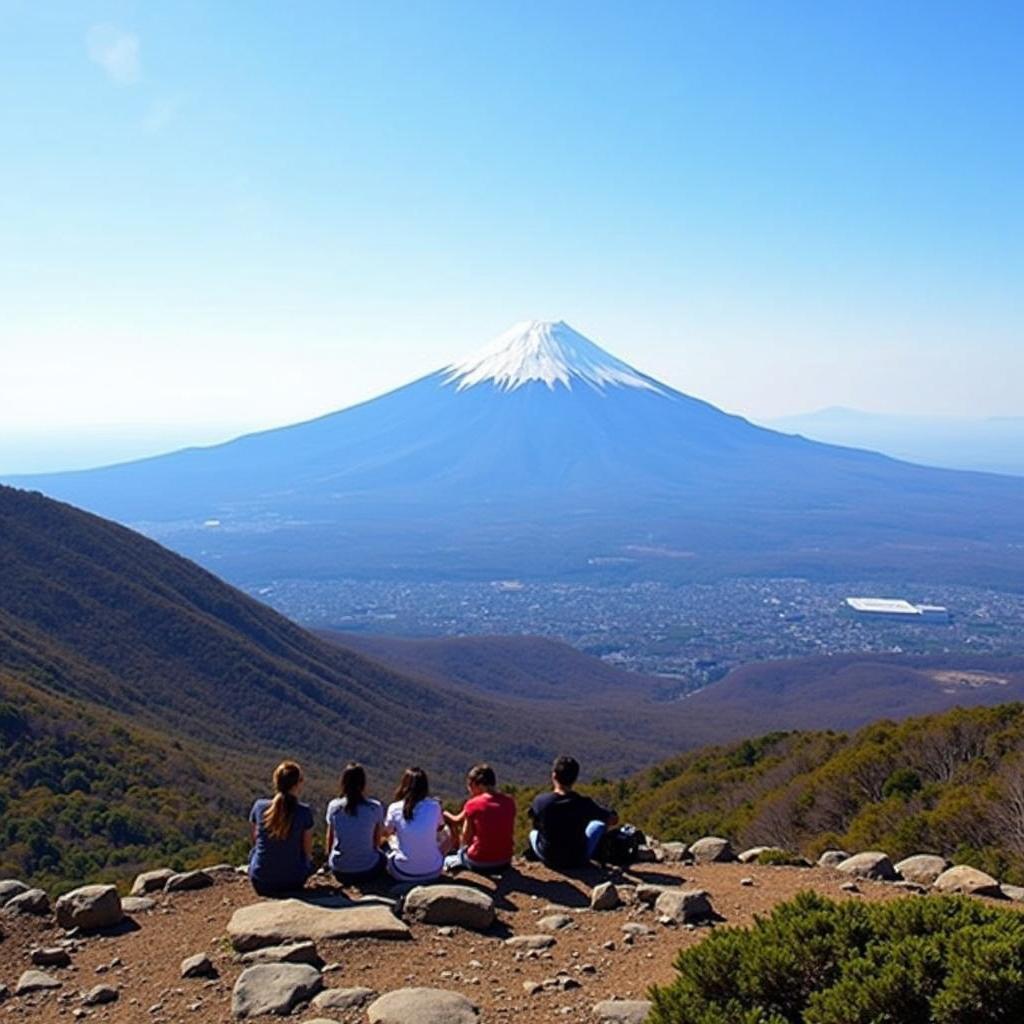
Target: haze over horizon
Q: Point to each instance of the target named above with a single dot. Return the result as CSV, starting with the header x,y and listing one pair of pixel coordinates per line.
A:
x,y
225,224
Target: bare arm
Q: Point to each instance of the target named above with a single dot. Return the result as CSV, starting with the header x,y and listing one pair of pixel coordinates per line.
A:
x,y
329,839
307,844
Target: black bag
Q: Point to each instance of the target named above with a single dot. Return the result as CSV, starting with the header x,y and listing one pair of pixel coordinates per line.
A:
x,y
621,846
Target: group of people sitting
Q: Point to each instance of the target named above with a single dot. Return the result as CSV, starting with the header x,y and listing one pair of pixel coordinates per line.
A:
x,y
414,839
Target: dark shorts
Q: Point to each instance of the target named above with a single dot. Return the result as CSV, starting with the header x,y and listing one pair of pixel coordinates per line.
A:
x,y
355,877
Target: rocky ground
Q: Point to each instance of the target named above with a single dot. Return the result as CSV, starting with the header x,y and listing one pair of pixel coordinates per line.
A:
x,y
566,958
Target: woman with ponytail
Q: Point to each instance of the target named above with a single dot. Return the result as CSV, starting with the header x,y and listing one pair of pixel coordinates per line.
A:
x,y
355,830
282,836
420,838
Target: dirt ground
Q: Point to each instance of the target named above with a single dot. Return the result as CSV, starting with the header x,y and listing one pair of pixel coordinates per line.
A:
x,y
143,962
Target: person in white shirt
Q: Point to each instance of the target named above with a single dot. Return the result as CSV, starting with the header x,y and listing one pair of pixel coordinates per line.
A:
x,y
416,827
355,830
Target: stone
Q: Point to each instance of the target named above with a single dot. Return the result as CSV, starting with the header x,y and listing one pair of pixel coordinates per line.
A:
x,y
832,858
422,1006
458,905
912,887
198,966
9,888
31,901
187,881
99,995
684,906
4,992
90,908
151,881
554,922
343,998
850,887
746,882
137,904
752,855
51,956
605,897
274,988
293,953
530,941
673,853
648,894
622,1011
872,864
278,922
636,928
967,880
712,850
35,981
923,868
1013,892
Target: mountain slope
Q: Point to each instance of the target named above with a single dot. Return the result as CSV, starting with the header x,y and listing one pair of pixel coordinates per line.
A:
x,y
544,456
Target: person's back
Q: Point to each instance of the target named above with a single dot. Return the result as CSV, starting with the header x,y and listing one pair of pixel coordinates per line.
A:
x,y
494,823
353,849
414,820
281,831
567,825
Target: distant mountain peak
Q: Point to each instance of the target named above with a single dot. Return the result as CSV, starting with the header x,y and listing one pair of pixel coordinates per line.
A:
x,y
549,352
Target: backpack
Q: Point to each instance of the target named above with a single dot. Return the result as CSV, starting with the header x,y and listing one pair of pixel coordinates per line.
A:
x,y
621,846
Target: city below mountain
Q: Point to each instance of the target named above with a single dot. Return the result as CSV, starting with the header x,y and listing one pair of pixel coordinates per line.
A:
x,y
545,457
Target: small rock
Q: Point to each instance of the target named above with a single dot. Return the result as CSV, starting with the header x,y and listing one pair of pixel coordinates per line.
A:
x,y
746,882
673,853
187,881
35,981
274,988
422,1006
685,905
531,988
648,894
605,897
137,904
51,956
530,941
636,928
1013,892
554,922
343,998
850,887
450,905
712,850
622,1011
967,880
872,864
31,901
292,953
198,966
98,995
752,855
90,908
151,881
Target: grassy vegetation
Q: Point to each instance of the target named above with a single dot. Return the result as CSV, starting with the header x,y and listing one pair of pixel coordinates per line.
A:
x,y
945,960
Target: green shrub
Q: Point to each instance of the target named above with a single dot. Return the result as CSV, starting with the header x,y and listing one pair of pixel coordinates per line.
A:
x,y
941,960
781,859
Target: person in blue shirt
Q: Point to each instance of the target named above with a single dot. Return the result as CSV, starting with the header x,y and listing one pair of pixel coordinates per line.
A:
x,y
282,836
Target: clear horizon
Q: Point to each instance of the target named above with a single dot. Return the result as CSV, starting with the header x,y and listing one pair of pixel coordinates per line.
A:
x,y
226,224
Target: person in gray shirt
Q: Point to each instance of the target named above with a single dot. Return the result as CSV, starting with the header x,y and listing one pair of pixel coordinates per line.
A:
x,y
354,830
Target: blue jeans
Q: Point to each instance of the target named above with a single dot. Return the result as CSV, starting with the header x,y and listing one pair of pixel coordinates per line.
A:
x,y
461,859
595,831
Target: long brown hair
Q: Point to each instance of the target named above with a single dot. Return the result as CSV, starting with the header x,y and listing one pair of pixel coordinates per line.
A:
x,y
353,785
413,788
277,818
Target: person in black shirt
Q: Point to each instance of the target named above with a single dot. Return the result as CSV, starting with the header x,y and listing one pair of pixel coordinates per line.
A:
x,y
567,827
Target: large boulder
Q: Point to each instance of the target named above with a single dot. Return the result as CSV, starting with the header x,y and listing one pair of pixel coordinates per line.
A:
x,y
966,880
872,864
673,853
151,881
9,888
622,1011
712,850
90,908
922,868
274,988
186,881
278,922
31,901
832,858
422,1006
137,904
458,905
684,906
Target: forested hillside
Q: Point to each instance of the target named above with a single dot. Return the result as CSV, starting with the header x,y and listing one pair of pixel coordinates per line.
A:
x,y
952,784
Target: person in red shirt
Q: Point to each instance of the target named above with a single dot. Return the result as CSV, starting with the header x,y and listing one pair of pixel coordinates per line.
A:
x,y
487,823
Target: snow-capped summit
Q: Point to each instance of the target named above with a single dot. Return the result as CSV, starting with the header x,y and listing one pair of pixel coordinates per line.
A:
x,y
548,351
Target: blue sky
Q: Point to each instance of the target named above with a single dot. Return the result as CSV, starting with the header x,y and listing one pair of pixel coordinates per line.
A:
x,y
217,216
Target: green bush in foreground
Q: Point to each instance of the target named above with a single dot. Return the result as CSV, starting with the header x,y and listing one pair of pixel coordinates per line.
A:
x,y
940,960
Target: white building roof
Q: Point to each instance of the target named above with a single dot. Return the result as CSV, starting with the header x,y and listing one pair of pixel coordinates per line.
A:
x,y
882,606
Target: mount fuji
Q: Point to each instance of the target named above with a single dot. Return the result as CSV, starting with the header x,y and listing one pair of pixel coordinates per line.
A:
x,y
543,456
